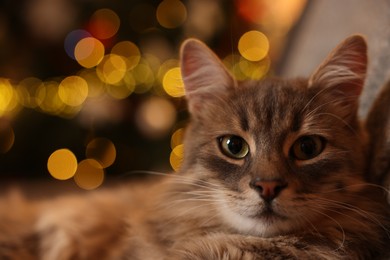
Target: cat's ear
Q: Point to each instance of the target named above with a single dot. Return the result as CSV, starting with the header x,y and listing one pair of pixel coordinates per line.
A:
x,y
378,128
343,72
204,75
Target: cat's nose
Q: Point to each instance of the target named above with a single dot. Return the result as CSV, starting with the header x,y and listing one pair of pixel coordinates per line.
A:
x,y
268,189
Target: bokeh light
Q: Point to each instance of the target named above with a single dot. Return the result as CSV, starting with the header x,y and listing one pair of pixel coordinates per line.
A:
x,y
176,157
143,76
73,90
111,69
72,39
7,137
231,62
253,46
173,82
177,138
254,70
62,164
101,150
124,89
28,91
51,102
96,88
252,10
104,23
89,52
128,50
89,174
243,69
8,97
155,117
69,112
171,13
165,66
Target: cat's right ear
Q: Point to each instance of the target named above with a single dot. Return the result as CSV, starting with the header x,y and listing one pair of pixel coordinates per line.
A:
x,y
343,74
204,75
378,127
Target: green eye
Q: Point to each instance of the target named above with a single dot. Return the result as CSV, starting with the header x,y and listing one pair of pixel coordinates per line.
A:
x,y
233,146
307,147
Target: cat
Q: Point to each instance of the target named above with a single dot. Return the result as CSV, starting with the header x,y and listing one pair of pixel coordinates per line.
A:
x,y
272,169
378,128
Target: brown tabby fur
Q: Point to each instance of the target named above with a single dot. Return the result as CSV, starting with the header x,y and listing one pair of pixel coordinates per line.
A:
x,y
209,210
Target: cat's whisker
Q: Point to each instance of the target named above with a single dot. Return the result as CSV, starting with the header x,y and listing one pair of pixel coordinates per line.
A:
x,y
340,119
313,98
190,179
305,220
329,205
363,213
197,199
183,198
201,192
357,185
330,208
174,176
145,172
343,235
199,186
188,210
193,193
196,183
333,101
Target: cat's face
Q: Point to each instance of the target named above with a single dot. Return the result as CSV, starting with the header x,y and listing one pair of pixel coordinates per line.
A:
x,y
277,155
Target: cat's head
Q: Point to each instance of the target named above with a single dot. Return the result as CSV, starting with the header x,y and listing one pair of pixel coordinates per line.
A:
x,y
276,154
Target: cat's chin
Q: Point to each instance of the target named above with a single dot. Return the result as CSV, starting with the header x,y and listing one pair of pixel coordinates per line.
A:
x,y
264,224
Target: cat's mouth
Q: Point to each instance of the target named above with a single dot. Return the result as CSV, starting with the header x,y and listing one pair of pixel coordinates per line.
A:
x,y
268,214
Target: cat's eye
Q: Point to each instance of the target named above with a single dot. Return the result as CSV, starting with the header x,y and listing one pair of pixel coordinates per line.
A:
x,y
307,147
233,146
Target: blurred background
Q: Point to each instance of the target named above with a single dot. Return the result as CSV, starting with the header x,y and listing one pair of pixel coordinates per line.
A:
x,y
91,91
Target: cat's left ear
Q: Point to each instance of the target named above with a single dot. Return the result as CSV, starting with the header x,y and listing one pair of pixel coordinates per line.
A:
x,y
344,71
203,73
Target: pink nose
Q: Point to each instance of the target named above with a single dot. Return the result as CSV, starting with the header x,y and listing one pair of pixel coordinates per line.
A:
x,y
268,190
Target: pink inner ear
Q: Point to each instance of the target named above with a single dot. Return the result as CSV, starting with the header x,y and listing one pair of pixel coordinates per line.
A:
x,y
194,56
202,70
190,59
204,75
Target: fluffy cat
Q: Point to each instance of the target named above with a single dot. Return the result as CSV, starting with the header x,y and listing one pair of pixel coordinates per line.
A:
x,y
273,169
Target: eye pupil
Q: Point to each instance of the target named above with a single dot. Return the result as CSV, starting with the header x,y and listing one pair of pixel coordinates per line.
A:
x,y
233,146
307,147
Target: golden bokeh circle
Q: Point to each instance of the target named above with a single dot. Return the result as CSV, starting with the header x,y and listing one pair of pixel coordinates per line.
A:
x,y
89,52
104,23
89,174
173,83
62,164
253,45
171,13
73,91
176,157
101,150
